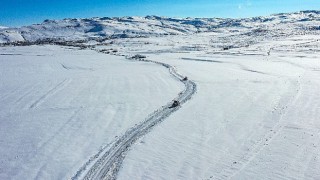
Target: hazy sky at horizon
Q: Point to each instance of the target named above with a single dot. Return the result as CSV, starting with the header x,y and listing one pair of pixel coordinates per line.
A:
x,y
25,12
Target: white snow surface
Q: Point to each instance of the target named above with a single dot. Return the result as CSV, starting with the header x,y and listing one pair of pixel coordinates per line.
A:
x,y
60,106
255,115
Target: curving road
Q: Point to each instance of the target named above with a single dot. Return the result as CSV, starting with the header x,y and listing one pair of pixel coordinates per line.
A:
x,y
109,163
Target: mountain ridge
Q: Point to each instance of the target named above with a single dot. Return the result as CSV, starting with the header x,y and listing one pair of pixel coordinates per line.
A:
x,y
72,29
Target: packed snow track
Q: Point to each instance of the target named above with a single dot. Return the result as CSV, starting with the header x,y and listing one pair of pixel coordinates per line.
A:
x,y
108,165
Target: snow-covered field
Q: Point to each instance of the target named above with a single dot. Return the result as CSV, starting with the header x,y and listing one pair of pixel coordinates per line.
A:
x,y
253,117
60,106
254,111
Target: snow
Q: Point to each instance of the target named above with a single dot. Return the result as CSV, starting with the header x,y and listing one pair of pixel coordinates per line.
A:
x,y
154,26
255,113
10,35
254,116
60,106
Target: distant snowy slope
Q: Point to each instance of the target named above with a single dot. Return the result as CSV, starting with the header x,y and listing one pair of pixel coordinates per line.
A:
x,y
122,27
10,35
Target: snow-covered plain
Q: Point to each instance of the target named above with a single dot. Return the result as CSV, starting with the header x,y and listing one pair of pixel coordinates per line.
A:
x,y
60,106
255,115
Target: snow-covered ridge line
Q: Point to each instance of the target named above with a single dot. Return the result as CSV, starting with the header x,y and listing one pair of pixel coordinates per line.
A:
x,y
124,27
110,161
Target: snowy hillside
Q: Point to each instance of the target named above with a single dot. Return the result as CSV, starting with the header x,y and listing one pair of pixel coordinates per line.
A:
x,y
101,28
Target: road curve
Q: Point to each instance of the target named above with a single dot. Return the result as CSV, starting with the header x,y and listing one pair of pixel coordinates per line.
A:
x,y
109,163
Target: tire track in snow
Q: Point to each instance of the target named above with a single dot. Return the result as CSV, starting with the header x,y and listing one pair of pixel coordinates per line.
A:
x,y
259,146
225,62
52,91
269,136
109,160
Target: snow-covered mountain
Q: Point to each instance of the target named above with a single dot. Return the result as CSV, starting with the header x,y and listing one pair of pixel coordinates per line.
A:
x,y
122,27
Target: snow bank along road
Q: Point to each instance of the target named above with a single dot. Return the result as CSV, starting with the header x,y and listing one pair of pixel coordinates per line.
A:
x,y
108,165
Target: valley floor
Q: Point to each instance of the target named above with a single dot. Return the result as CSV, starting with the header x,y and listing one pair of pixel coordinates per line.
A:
x,y
60,106
256,113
